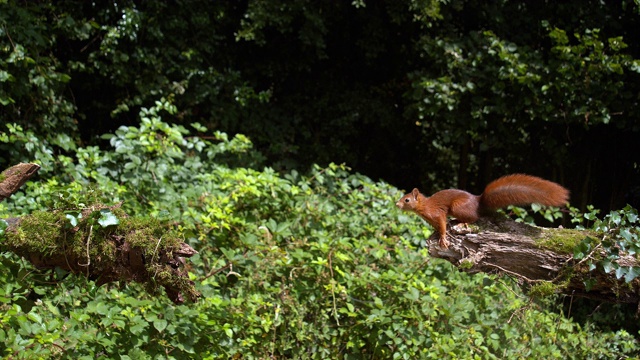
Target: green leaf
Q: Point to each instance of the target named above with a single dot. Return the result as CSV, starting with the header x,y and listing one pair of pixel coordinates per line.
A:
x,y
160,324
632,273
199,127
626,234
33,316
60,273
137,328
583,248
64,78
72,220
52,308
6,100
102,308
3,226
378,302
615,217
608,266
107,218
413,294
5,76
632,216
588,284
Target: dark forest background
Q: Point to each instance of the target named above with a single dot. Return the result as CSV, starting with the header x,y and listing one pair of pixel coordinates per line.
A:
x,y
432,94
259,130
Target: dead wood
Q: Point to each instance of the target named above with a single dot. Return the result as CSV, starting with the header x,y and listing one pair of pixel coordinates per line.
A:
x,y
534,256
130,249
14,177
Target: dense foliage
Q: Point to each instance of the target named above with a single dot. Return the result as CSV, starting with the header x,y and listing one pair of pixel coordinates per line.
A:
x,y
435,93
158,105
295,266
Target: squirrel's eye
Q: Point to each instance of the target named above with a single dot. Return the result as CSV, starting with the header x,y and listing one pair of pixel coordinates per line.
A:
x,y
406,200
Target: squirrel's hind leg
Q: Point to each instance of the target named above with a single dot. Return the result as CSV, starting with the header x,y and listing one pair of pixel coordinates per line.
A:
x,y
443,242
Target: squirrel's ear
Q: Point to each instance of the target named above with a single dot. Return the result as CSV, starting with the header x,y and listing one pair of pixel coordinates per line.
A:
x,y
415,193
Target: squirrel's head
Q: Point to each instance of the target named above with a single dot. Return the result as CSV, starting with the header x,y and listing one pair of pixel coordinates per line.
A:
x,y
409,202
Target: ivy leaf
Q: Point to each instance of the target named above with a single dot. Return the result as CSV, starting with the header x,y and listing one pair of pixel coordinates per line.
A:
x,y
582,249
588,284
632,217
608,266
633,249
107,218
60,273
621,271
626,234
632,273
73,220
615,217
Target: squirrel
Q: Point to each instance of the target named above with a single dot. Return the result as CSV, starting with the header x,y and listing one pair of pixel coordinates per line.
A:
x,y
515,189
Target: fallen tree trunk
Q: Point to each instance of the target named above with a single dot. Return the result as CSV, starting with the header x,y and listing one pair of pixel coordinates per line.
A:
x,y
541,258
98,241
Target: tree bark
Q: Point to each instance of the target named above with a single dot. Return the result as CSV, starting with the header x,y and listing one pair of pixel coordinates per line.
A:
x,y
12,179
534,256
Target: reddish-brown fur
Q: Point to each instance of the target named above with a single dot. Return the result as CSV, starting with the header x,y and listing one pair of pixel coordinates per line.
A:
x,y
516,189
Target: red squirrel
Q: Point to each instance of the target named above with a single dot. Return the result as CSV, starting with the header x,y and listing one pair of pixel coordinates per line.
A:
x,y
515,189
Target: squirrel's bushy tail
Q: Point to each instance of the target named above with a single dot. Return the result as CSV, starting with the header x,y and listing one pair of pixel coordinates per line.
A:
x,y
520,189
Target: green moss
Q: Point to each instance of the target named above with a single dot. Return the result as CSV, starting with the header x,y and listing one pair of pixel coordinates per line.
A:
x,y
561,241
50,232
162,275
543,289
149,234
466,264
39,232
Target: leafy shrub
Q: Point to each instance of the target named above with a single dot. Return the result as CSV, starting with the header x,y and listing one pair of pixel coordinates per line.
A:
x,y
317,265
619,237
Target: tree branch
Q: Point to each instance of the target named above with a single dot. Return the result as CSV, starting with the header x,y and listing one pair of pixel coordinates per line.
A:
x,y
12,179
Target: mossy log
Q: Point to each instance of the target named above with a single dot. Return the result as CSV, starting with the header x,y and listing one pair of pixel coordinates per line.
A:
x,y
539,258
127,249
